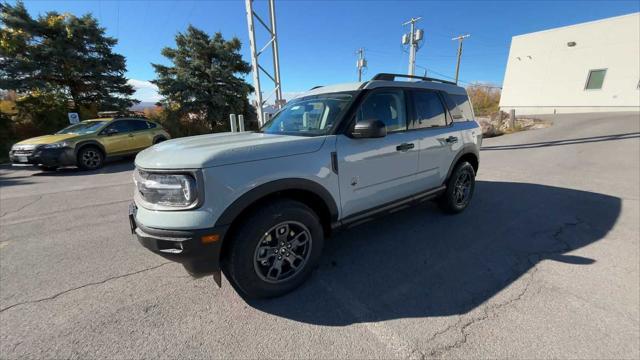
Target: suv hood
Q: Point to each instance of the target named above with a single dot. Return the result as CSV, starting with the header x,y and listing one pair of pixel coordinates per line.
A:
x,y
47,139
223,149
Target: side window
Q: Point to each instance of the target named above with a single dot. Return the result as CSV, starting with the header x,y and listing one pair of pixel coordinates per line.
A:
x,y
121,126
464,105
387,106
429,111
137,125
151,125
454,110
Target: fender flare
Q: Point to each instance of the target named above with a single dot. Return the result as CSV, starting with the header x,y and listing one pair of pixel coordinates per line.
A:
x,y
159,136
89,142
252,196
466,149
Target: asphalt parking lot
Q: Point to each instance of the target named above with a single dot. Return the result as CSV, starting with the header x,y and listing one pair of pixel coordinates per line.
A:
x,y
544,264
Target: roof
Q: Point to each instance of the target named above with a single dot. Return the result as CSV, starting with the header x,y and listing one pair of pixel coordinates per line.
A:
x,y
372,84
588,23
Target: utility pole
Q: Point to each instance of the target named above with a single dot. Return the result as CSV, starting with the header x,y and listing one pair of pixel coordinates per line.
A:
x,y
412,39
362,63
460,40
255,54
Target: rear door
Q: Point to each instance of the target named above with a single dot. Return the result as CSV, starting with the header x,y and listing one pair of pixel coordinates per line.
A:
x,y
142,135
438,139
376,171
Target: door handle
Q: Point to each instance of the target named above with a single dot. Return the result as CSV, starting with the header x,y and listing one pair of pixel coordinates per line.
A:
x,y
405,147
451,139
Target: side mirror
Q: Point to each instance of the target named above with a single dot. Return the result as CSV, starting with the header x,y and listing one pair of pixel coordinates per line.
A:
x,y
110,131
372,128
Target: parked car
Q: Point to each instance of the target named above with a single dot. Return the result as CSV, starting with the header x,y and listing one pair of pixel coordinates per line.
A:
x,y
259,205
88,143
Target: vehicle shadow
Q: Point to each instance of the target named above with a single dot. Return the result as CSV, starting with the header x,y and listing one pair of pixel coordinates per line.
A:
x,y
422,263
564,142
110,167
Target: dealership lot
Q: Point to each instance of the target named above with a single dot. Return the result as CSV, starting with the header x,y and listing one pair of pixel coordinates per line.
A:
x,y
544,263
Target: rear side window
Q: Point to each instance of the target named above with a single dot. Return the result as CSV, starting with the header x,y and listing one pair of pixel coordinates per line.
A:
x,y
151,125
138,125
428,110
459,107
121,126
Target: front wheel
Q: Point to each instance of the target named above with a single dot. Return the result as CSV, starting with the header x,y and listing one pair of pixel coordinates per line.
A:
x,y
90,158
274,249
460,188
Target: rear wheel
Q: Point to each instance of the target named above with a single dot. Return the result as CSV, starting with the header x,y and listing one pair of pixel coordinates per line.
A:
x,y
159,140
274,249
90,158
460,188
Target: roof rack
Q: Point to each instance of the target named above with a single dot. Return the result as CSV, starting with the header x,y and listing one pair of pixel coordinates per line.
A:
x,y
316,87
392,77
121,114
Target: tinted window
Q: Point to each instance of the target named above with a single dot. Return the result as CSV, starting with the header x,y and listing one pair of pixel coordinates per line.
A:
x,y
454,110
386,106
137,125
429,111
462,105
120,126
151,125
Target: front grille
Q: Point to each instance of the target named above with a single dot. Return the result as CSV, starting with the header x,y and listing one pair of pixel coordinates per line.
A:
x,y
23,152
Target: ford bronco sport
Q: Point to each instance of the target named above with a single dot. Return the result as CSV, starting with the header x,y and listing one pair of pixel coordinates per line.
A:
x,y
258,205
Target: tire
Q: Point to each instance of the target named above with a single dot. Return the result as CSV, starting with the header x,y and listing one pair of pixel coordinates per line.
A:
x,y
251,265
159,140
460,188
90,158
48,168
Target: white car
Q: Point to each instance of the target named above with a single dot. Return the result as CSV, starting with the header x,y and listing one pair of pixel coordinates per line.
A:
x,y
258,205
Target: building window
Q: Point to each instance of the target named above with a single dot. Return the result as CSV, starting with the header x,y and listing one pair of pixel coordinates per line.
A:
x,y
595,79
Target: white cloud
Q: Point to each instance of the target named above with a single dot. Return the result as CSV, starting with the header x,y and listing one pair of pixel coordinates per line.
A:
x,y
145,90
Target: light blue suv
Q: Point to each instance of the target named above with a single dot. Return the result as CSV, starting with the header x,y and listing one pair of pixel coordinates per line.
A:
x,y
258,205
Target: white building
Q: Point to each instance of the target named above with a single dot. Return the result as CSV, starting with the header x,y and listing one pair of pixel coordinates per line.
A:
x,y
588,67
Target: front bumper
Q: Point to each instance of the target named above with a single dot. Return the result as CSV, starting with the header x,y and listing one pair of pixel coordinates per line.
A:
x,y
48,157
199,256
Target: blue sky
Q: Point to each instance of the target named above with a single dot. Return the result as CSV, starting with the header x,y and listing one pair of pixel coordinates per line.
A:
x,y
318,39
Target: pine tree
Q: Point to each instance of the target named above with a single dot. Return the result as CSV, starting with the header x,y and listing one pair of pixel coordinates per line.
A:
x,y
204,79
62,54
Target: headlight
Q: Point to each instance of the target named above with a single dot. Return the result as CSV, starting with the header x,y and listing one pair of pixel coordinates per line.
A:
x,y
56,145
160,190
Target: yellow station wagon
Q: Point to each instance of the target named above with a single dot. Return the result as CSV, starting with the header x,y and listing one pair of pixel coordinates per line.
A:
x,y
88,143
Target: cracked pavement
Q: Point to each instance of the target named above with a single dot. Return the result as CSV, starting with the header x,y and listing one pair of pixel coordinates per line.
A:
x,y
544,264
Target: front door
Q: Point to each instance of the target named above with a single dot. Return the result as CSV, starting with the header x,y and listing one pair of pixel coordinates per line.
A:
x,y
379,170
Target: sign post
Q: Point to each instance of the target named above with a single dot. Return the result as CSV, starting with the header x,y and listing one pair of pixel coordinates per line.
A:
x,y
73,118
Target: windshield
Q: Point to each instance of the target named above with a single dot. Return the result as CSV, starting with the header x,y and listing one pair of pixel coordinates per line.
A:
x,y
82,128
311,115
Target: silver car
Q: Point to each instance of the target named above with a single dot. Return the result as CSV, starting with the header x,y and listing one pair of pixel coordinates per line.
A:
x,y
258,205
